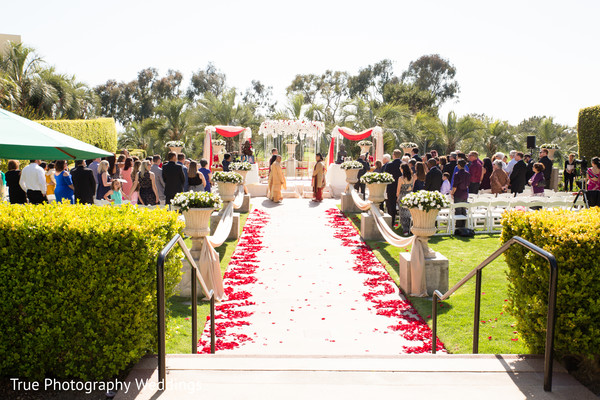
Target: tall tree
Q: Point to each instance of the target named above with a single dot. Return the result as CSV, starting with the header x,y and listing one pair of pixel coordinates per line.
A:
x,y
410,95
455,131
261,97
208,80
435,74
495,135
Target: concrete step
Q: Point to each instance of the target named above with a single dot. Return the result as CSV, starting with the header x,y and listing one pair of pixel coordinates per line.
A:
x,y
333,377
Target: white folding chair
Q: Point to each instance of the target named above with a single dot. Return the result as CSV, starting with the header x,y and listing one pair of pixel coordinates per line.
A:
x,y
454,217
496,209
478,214
443,222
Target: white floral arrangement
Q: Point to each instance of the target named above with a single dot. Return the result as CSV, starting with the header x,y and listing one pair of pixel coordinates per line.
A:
x,y
291,140
175,143
408,144
218,142
351,165
240,166
365,143
425,200
227,177
187,200
549,146
377,177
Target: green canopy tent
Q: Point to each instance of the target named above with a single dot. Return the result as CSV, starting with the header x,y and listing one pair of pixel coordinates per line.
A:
x,y
23,139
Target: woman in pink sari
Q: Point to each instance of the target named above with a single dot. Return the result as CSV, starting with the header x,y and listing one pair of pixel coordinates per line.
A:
x,y
126,175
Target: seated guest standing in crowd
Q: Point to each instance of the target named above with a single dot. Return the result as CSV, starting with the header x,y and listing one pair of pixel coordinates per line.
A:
x,y
226,162
173,177
181,161
518,175
195,178
476,171
378,166
420,176
544,159
433,179
115,194
64,183
460,189
537,180
360,187
487,169
405,186
134,193
50,182
499,179
446,188
103,179
415,154
393,168
593,183
84,183
33,182
529,162
207,175
146,182
157,170
16,194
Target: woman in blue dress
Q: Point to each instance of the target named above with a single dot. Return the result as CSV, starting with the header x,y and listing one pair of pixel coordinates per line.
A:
x,y
64,183
207,174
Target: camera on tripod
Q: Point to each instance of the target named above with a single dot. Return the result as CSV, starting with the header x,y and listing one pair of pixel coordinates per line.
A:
x,y
583,164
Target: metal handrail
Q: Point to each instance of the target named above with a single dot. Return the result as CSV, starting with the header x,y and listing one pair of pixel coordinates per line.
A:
x,y
160,298
551,319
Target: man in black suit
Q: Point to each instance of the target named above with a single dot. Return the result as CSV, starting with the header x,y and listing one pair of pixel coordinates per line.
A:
x,y
226,162
518,175
415,154
529,162
544,159
173,177
84,183
393,168
451,164
433,179
360,187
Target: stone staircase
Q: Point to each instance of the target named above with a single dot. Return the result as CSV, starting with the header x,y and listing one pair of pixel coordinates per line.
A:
x,y
227,376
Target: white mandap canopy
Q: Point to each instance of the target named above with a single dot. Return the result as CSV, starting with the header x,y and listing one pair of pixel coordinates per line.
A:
x,y
276,131
376,133
223,130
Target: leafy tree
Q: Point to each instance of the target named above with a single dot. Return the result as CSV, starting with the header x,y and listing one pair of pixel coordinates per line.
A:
x,y
261,97
141,135
371,81
409,94
208,80
307,85
456,131
435,74
495,135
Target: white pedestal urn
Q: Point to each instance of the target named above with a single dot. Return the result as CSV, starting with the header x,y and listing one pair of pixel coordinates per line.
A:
x,y
365,149
197,221
352,175
217,149
227,191
551,153
424,227
242,173
377,192
175,149
291,148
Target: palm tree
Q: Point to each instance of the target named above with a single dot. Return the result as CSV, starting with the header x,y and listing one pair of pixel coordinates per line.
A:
x,y
141,135
495,134
455,131
422,129
174,119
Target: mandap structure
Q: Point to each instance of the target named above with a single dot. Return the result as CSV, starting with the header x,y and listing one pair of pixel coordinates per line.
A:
x,y
306,134
225,131
376,133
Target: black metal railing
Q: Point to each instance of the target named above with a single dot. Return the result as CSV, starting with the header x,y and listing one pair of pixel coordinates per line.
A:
x,y
551,318
160,298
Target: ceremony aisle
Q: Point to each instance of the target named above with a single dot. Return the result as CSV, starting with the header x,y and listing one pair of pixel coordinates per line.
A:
x,y
301,282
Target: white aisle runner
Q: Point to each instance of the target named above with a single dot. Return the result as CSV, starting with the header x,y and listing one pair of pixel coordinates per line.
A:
x,y
302,283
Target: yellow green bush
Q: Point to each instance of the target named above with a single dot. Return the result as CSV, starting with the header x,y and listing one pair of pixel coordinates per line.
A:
x,y
78,287
573,238
588,132
100,132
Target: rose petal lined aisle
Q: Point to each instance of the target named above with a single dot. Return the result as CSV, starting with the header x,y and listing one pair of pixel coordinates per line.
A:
x,y
301,282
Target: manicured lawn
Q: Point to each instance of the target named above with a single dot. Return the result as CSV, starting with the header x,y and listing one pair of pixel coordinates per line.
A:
x,y
179,328
455,315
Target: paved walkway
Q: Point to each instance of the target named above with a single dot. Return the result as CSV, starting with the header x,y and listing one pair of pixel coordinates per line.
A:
x,y
309,295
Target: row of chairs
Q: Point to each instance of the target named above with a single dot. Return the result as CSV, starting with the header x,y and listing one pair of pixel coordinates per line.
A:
x,y
485,215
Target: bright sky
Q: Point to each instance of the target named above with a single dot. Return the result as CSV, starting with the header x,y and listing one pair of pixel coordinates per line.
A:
x,y
515,59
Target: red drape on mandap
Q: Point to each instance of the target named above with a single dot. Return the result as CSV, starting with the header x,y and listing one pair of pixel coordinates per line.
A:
x,y
227,133
349,135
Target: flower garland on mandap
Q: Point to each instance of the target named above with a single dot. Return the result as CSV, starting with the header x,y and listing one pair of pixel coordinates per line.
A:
x,y
286,128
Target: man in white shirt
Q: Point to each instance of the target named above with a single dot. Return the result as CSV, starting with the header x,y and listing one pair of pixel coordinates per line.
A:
x,y
500,156
511,163
33,182
94,167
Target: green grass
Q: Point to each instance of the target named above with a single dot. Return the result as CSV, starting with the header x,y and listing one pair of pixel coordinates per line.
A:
x,y
179,328
455,315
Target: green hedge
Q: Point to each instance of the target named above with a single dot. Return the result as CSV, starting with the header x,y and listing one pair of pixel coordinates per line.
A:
x,y
78,287
100,132
573,238
588,132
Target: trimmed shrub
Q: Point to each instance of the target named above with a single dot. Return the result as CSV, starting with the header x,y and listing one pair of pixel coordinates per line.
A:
x,y
100,132
78,287
573,238
588,132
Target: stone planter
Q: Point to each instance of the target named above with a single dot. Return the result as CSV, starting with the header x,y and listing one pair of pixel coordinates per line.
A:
x,y
551,153
175,149
377,192
406,150
423,226
197,221
217,149
291,148
365,149
243,174
352,175
227,191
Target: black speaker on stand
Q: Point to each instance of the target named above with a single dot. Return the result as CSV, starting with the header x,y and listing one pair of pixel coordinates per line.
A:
x,y
531,142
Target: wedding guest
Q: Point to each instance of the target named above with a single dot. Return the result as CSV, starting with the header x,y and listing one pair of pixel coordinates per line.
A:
x,y
512,162
16,194
145,180
486,170
498,179
476,171
500,157
173,176
134,194
33,182
196,179
160,183
569,172
318,178
378,166
433,179
2,185
446,188
115,194
181,161
593,183
460,189
84,183
49,173
226,162
207,175
529,162
113,169
537,180
276,181
405,186
393,168
415,154
358,186
518,175
341,155
103,179
93,165
544,159
126,174
443,160
64,184
449,167
420,173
